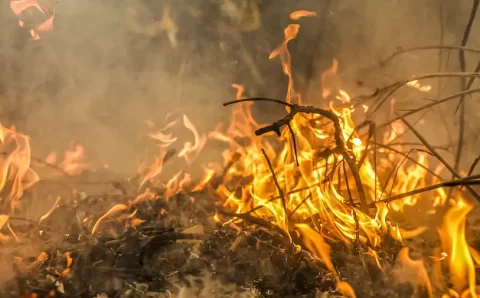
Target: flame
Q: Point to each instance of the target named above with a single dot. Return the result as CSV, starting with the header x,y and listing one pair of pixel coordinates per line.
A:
x,y
190,151
282,50
304,185
329,80
317,245
69,262
460,261
418,86
110,213
301,14
418,266
15,164
73,160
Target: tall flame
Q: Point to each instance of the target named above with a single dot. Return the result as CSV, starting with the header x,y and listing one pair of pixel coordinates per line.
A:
x,y
15,168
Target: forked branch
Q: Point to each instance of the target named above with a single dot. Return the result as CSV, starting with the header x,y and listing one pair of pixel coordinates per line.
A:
x,y
340,143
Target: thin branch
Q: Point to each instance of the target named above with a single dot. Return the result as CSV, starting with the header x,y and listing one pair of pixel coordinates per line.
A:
x,y
282,196
401,51
357,224
394,87
451,183
358,100
255,220
294,144
398,168
427,106
461,103
474,164
298,206
439,157
258,99
409,158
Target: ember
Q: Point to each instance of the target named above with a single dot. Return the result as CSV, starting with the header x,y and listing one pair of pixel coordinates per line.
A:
x,y
314,204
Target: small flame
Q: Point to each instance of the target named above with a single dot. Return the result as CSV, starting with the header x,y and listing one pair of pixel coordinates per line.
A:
x,y
301,14
417,266
69,262
317,245
190,151
110,213
418,86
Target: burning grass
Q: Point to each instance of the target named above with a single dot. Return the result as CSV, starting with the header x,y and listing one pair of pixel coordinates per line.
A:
x,y
316,211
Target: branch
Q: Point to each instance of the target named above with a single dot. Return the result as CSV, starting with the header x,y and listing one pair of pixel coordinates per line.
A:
x,y
400,84
340,143
361,99
452,183
401,51
439,157
282,196
432,104
461,103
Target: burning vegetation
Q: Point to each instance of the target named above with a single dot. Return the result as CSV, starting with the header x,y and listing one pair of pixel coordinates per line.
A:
x,y
315,204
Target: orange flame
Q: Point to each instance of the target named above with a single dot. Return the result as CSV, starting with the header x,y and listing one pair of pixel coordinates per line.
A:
x,y
301,14
418,268
460,261
317,245
15,165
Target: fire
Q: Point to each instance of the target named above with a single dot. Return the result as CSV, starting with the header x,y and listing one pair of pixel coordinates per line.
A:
x,y
301,14
15,168
73,160
19,7
460,261
317,179
305,177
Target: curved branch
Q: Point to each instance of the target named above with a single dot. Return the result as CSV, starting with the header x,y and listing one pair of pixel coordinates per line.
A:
x,y
401,51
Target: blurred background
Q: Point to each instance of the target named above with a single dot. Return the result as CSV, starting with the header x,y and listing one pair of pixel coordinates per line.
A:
x,y
107,66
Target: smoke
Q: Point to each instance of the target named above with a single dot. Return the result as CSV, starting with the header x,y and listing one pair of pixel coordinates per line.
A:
x,y
96,77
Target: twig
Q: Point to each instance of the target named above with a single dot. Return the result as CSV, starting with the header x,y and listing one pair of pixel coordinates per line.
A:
x,y
358,100
419,144
280,191
461,103
255,220
474,164
395,86
401,51
294,143
451,183
371,132
298,206
439,157
398,168
259,99
427,106
357,224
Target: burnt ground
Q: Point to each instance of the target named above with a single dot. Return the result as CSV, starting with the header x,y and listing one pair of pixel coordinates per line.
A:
x,y
178,251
